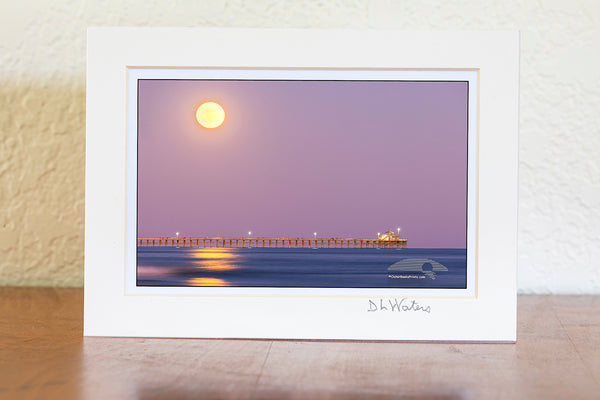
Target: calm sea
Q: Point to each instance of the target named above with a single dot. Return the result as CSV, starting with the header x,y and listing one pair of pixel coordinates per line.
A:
x,y
269,267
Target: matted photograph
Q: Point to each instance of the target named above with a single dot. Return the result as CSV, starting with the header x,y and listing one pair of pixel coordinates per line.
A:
x,y
309,179
254,183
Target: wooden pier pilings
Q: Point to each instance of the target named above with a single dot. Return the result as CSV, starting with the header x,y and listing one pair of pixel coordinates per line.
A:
x,y
318,243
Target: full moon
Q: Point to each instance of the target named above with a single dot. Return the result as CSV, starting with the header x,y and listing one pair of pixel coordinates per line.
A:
x,y
210,115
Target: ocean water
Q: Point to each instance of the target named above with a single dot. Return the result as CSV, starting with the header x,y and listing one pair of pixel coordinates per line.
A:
x,y
302,267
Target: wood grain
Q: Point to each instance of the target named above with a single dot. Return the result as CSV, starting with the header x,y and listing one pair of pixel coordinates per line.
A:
x,y
44,356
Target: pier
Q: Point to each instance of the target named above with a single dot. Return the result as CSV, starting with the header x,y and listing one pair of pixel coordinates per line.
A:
x,y
384,242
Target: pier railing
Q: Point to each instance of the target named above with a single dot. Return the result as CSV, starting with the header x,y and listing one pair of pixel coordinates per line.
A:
x,y
318,243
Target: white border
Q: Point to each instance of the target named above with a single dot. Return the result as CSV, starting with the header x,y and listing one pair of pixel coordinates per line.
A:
x,y
488,315
134,74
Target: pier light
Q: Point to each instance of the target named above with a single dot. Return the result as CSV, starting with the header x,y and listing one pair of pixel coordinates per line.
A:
x,y
398,231
249,233
378,234
177,234
315,235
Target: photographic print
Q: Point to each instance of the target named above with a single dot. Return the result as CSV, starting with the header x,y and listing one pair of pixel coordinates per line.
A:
x,y
318,182
290,191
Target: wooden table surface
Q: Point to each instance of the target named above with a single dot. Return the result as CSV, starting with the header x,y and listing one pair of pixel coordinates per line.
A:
x,y
44,356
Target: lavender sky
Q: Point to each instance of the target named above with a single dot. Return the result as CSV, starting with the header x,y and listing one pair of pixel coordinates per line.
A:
x,y
343,159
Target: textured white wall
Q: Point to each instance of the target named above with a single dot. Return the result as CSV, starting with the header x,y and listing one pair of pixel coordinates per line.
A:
x,y
42,118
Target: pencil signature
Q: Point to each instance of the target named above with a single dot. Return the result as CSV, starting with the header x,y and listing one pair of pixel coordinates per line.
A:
x,y
397,305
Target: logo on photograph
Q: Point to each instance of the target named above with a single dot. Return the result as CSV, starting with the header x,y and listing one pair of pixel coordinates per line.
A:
x,y
423,267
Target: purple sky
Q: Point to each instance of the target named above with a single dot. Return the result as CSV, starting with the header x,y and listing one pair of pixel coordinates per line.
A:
x,y
343,159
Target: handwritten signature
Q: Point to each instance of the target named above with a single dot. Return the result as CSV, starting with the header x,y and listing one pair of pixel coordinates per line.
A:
x,y
397,305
